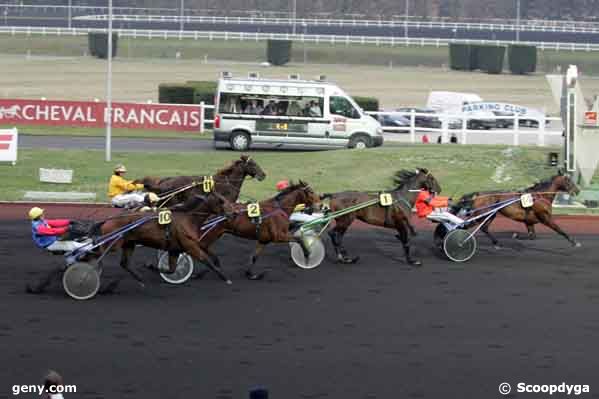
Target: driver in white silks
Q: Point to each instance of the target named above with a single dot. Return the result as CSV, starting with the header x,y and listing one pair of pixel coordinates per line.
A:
x,y
434,207
300,214
124,193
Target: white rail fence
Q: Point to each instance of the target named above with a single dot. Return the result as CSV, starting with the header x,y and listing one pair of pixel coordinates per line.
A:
x,y
532,26
308,38
548,132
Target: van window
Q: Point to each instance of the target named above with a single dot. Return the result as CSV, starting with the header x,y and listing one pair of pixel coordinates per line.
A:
x,y
234,103
342,106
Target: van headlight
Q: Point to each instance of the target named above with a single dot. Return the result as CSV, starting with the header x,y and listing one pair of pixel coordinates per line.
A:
x,y
379,131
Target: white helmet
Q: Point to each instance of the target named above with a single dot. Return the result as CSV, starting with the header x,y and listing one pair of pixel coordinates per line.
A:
x,y
120,168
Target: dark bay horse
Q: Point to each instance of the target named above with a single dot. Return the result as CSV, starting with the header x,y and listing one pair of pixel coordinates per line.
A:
x,y
540,212
271,227
396,216
181,235
227,181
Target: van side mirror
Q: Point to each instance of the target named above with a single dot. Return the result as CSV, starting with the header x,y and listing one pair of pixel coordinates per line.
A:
x,y
355,114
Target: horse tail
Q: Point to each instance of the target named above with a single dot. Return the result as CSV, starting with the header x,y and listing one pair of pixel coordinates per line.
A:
x,y
466,202
95,229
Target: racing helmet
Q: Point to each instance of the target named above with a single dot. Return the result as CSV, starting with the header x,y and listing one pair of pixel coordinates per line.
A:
x,y
35,213
282,185
120,168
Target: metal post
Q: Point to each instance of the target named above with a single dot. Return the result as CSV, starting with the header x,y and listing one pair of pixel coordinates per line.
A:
x,y
294,15
109,86
517,20
202,116
305,52
412,126
182,16
516,140
70,13
541,134
406,20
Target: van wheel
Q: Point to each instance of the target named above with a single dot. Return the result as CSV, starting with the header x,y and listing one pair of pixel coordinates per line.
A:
x,y
359,142
240,141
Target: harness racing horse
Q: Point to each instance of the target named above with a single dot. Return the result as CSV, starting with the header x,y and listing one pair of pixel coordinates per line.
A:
x,y
227,181
272,226
396,216
540,212
181,235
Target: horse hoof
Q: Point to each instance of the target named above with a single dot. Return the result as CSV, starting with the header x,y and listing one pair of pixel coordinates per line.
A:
x,y
150,266
415,263
497,247
30,290
577,245
228,282
348,260
515,236
110,288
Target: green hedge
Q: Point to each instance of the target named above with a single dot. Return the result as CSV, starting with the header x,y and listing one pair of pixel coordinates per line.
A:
x,y
459,57
278,52
175,93
367,103
475,57
522,59
98,44
204,91
491,58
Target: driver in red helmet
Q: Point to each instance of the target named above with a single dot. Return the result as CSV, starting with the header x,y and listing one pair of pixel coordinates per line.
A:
x,y
434,207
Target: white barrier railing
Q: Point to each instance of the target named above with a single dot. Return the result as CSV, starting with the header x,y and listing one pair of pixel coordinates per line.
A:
x,y
458,125
258,36
533,26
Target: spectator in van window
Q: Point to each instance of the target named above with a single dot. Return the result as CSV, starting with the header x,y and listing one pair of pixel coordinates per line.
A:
x,y
282,108
294,109
232,105
315,110
270,109
253,108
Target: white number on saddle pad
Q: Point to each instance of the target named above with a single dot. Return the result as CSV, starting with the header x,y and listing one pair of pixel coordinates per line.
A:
x,y
208,184
385,199
254,210
527,200
165,217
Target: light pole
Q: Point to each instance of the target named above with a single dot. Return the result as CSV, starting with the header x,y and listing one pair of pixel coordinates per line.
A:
x,y
294,16
305,25
405,27
182,15
69,12
109,86
517,20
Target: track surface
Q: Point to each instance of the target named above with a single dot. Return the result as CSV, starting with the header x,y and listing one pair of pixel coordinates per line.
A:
x,y
377,329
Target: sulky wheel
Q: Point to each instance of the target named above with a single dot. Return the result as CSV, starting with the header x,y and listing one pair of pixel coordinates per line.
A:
x,y
439,235
81,281
316,249
183,271
459,245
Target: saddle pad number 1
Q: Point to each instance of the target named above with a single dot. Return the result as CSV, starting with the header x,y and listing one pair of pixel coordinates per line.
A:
x,y
208,184
526,200
165,217
385,199
254,210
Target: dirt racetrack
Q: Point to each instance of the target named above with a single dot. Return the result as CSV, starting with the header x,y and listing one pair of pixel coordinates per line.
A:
x,y
377,329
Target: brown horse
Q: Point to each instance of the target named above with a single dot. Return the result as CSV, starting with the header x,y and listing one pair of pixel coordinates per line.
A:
x,y
396,216
271,227
181,235
227,181
540,212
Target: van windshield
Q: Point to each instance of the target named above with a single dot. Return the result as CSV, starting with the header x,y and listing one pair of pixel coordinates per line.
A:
x,y
299,106
341,106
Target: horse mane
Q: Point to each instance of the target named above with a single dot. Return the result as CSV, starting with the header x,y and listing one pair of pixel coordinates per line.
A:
x,y
541,185
292,187
404,176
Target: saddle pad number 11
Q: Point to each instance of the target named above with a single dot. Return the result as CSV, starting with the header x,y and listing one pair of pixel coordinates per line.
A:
x,y
165,217
526,200
254,210
385,199
208,184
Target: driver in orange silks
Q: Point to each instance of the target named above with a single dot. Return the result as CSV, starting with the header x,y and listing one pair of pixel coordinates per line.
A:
x,y
434,207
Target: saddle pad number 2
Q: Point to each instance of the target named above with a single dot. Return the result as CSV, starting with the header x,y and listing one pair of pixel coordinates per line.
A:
x,y
254,210
385,199
526,200
165,217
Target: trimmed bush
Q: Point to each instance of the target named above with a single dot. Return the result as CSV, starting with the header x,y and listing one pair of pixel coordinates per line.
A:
x,y
98,44
204,91
522,59
475,56
278,52
490,58
459,57
367,103
175,93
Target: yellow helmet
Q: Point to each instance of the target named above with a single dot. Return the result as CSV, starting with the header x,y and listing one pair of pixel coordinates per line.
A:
x,y
35,213
299,208
153,198
120,168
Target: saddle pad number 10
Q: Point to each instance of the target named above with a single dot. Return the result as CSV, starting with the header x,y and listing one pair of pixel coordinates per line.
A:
x,y
254,210
527,200
208,184
165,217
385,199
